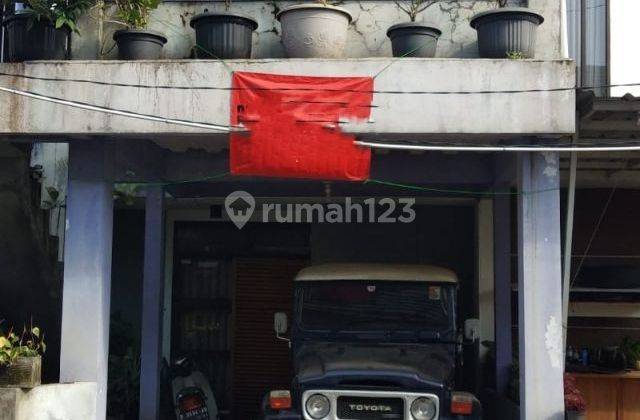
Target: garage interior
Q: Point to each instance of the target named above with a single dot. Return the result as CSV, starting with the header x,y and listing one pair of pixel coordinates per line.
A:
x,y
226,283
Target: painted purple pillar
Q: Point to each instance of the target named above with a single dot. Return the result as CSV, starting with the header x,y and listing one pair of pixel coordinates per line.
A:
x,y
87,269
152,301
539,287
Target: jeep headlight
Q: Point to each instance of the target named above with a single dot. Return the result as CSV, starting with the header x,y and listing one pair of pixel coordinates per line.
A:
x,y
318,406
423,409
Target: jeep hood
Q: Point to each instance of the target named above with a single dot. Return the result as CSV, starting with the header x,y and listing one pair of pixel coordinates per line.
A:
x,y
388,365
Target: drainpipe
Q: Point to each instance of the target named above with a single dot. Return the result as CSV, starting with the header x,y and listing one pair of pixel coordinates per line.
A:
x,y
571,194
564,29
3,10
568,245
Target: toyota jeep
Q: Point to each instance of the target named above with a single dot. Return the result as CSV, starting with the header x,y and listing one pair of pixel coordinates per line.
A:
x,y
373,341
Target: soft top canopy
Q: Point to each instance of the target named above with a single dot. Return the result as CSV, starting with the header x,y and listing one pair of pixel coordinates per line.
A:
x,y
389,272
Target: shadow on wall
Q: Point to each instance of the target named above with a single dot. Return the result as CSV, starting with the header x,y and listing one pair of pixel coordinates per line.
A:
x,y
30,277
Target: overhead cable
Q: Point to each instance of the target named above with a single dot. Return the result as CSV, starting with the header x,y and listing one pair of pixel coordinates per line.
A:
x,y
319,89
129,114
532,148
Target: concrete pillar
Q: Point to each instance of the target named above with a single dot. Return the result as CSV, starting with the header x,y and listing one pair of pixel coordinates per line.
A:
x,y
502,291
87,269
539,287
486,279
152,302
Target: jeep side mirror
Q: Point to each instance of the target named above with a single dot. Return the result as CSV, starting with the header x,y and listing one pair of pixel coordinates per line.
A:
x,y
472,329
280,323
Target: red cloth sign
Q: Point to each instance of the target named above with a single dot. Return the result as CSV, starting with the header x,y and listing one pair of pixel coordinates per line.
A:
x,y
290,120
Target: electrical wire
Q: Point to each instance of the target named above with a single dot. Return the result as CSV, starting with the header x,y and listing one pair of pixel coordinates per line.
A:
x,y
411,187
228,128
394,146
179,182
596,228
396,59
563,142
486,193
493,148
129,114
317,89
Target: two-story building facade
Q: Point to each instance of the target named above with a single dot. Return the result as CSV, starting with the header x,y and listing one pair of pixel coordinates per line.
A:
x,y
457,133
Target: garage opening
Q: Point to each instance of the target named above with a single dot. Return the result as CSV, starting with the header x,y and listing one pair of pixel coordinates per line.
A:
x,y
228,283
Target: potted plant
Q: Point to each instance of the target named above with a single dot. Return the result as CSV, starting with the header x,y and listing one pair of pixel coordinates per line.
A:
x,y
631,350
123,386
574,403
136,42
507,30
20,358
314,30
223,34
41,29
413,39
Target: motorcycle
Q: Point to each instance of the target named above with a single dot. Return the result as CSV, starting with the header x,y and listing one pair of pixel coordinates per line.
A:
x,y
191,393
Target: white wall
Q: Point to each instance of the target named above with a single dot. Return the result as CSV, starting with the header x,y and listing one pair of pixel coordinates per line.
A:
x,y
75,401
544,112
625,32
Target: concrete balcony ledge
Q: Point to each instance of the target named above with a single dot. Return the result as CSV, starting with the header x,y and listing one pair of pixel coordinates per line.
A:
x,y
74,401
400,116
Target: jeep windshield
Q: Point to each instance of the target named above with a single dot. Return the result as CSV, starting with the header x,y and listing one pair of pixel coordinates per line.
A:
x,y
419,309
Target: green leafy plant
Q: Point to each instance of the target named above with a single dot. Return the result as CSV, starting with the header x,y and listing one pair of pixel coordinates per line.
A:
x,y
28,344
328,2
135,13
124,369
516,55
414,7
126,193
62,13
631,349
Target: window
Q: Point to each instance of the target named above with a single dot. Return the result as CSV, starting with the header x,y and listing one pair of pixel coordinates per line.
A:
x,y
376,305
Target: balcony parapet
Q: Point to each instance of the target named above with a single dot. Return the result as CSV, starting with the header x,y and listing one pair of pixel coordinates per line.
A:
x,y
461,98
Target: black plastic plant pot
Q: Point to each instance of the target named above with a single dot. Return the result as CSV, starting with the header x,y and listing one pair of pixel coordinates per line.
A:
x,y
508,32
413,40
28,39
223,35
139,45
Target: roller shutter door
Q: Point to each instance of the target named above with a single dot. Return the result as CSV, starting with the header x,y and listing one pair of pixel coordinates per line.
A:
x,y
260,361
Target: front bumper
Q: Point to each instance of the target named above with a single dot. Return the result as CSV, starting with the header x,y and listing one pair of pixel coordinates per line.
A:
x,y
443,409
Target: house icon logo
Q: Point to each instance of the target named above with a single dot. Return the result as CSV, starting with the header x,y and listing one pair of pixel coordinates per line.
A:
x,y
239,206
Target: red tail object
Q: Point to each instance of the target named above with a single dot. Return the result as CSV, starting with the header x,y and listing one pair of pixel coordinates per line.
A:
x,y
289,119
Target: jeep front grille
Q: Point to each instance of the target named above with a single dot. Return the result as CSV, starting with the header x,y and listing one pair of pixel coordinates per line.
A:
x,y
360,408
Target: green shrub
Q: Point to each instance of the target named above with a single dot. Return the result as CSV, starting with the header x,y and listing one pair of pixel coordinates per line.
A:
x,y
135,13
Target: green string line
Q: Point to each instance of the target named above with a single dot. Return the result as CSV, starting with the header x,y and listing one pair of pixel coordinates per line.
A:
x,y
453,191
179,182
368,181
398,58
170,26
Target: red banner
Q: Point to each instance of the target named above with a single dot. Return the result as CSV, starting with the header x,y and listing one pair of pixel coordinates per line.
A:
x,y
294,129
